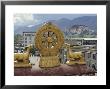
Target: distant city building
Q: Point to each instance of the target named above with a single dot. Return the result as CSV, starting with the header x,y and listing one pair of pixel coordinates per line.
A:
x,y
81,41
91,58
18,43
28,38
90,41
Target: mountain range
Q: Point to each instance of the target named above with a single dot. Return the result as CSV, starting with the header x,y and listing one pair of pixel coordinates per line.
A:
x,y
64,24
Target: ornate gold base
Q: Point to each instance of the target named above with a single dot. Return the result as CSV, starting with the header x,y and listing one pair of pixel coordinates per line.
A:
x,y
73,63
22,65
51,61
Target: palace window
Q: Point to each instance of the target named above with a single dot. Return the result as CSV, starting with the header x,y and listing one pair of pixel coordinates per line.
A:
x,y
25,38
89,55
94,56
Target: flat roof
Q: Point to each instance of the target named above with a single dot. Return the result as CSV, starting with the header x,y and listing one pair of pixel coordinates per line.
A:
x,y
82,38
29,32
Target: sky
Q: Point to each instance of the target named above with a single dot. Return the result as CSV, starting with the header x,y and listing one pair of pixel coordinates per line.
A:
x,y
31,19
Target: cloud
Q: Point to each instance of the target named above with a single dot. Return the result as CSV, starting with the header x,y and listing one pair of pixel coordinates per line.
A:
x,y
24,19
30,26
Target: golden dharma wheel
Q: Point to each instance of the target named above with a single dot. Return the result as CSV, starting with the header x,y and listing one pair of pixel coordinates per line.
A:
x,y
49,39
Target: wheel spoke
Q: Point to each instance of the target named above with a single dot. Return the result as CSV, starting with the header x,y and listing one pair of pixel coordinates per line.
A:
x,y
55,40
50,45
53,43
52,33
43,39
43,43
54,36
48,33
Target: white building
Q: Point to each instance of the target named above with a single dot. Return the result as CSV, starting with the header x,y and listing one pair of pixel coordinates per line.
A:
x,y
28,38
90,41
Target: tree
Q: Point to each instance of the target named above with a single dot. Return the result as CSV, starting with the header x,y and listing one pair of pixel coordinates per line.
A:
x,y
17,38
